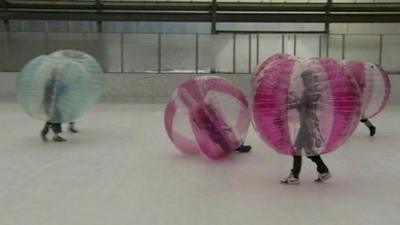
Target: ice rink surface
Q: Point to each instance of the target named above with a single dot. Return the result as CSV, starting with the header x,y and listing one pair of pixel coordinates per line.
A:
x,y
123,170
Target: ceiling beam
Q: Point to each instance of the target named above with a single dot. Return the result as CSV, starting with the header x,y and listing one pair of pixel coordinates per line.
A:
x,y
198,6
203,17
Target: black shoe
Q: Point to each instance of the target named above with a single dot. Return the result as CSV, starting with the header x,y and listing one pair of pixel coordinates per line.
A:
x,y
58,139
73,130
372,131
291,180
243,149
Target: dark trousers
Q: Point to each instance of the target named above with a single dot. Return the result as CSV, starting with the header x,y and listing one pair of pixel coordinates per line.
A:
x,y
366,122
297,161
55,127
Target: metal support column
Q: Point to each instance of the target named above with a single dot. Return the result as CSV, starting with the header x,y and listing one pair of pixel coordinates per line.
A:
x,y
234,54
343,46
380,49
213,14
327,44
6,53
122,53
159,52
327,12
250,52
99,23
5,22
196,59
320,46
258,49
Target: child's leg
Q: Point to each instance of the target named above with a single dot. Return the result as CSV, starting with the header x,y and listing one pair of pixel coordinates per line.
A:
x,y
297,161
321,166
371,127
45,131
293,178
57,129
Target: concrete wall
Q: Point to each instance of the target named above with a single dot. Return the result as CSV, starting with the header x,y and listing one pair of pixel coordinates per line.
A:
x,y
153,87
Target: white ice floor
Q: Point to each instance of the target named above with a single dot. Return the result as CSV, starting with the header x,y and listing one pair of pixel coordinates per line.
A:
x,y
122,169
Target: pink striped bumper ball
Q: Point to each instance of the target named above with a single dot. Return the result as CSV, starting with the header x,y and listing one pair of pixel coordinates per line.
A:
x,y
207,115
310,106
374,85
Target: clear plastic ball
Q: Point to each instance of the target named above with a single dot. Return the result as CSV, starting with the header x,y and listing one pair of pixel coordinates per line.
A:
x,y
53,90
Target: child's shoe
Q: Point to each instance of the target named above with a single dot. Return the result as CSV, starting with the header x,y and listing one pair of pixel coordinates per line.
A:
x,y
72,128
372,131
323,177
291,180
58,139
243,149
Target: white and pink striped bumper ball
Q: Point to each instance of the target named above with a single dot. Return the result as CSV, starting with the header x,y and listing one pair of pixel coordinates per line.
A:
x,y
207,115
374,85
309,104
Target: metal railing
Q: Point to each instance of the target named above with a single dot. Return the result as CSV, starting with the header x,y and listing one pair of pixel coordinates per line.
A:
x,y
196,53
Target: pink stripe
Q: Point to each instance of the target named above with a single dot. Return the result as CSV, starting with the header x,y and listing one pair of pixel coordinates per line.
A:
x,y
346,102
191,95
265,63
184,144
270,106
225,86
